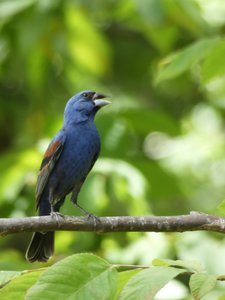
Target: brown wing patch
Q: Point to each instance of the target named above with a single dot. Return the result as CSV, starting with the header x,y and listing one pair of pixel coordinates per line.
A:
x,y
51,156
49,153
51,149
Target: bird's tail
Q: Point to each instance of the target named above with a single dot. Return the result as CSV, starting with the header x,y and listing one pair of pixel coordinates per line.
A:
x,y
41,247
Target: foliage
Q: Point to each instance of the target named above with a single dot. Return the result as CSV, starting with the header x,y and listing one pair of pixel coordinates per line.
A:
x,y
82,276
162,138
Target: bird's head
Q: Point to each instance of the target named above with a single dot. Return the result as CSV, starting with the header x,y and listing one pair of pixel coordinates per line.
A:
x,y
83,106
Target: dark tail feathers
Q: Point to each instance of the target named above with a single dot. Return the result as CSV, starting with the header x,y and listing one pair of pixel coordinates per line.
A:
x,y
41,247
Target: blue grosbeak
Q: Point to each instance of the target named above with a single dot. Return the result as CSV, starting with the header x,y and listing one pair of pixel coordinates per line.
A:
x,y
66,164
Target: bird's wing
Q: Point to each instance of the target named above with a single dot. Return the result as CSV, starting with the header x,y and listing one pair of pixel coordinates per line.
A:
x,y
51,156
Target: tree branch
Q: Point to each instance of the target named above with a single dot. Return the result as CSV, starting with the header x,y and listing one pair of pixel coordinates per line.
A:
x,y
192,222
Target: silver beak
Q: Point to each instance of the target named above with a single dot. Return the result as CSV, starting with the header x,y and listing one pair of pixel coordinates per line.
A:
x,y
99,100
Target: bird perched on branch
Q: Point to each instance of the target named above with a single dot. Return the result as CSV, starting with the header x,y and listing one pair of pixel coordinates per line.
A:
x,y
66,164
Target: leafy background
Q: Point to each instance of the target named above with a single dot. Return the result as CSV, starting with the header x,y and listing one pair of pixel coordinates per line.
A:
x,y
163,139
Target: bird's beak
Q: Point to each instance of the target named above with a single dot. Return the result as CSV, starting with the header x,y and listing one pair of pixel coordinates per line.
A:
x,y
98,100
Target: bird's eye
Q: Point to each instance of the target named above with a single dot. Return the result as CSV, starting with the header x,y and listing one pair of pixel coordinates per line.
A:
x,y
85,95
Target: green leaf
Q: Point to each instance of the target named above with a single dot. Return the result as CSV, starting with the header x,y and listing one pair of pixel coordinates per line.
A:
x,y
123,278
183,60
214,64
188,265
148,282
6,276
17,287
201,284
81,276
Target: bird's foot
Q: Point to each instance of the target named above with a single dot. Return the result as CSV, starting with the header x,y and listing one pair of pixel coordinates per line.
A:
x,y
56,215
94,219
90,217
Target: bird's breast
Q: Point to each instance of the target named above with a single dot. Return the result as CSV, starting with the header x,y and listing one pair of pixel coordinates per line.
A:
x,y
80,152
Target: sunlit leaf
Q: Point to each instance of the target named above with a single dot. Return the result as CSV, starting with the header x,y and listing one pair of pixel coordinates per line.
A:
x,y
148,282
17,287
189,265
81,276
183,60
123,278
6,276
201,284
213,65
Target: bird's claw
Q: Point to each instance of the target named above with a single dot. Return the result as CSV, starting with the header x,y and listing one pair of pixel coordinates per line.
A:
x,y
93,218
57,216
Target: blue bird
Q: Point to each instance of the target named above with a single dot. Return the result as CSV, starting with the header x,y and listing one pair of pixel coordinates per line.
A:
x,y
66,164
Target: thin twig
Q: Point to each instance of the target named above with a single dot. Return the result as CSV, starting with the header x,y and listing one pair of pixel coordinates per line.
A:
x,y
130,267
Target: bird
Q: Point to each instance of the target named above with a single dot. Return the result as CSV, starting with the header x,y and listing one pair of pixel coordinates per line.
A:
x,y
67,161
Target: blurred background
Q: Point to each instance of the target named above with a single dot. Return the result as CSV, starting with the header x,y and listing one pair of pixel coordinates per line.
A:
x,y
163,139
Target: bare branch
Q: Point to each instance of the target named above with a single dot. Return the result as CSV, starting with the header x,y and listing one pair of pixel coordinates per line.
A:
x,y
192,222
